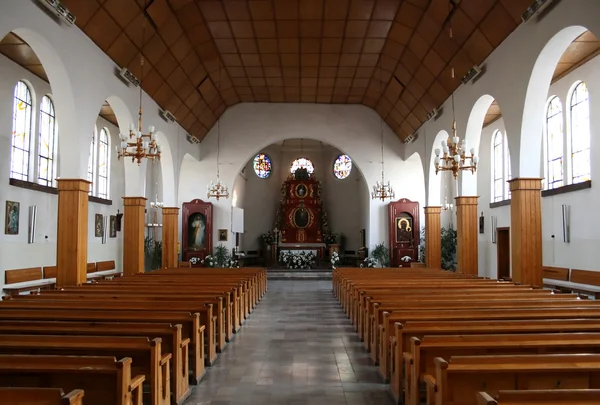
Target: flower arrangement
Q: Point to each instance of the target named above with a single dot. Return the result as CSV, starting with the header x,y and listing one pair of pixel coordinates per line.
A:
x,y
221,259
369,262
268,237
335,259
302,260
406,259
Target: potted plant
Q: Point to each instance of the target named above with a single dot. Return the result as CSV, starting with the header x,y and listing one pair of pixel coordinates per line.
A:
x,y
152,253
381,254
449,242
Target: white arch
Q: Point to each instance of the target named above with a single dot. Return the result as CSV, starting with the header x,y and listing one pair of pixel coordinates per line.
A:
x,y
435,180
536,97
167,170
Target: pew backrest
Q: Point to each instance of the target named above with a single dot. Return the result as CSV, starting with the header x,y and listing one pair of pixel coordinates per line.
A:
x,y
105,265
39,396
22,275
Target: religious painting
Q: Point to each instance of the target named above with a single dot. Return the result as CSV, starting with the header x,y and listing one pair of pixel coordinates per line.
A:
x,y
301,217
113,226
98,225
222,235
11,221
404,229
301,190
197,231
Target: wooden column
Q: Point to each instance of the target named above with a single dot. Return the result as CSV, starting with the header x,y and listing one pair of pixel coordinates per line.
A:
x,y
433,237
526,230
133,234
466,229
72,232
170,220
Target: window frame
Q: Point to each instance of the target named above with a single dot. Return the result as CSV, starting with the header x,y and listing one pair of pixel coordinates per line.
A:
x,y
571,134
561,182
103,193
26,164
505,171
335,161
50,180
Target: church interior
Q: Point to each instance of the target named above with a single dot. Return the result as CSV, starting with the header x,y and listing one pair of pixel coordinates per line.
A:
x,y
303,201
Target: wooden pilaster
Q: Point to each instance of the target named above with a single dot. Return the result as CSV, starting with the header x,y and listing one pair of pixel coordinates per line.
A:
x,y
72,232
466,229
433,237
526,230
133,234
170,219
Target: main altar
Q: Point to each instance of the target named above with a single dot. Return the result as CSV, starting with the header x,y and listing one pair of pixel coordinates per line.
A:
x,y
301,220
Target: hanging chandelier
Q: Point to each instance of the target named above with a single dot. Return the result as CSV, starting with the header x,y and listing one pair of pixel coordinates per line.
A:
x,y
136,144
218,190
381,189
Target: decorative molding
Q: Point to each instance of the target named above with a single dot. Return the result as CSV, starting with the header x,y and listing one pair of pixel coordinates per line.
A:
x,y
500,203
99,200
569,188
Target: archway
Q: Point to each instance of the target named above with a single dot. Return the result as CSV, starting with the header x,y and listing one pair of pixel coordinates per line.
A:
x,y
435,179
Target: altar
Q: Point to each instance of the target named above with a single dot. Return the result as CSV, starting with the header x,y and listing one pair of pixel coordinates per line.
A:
x,y
318,249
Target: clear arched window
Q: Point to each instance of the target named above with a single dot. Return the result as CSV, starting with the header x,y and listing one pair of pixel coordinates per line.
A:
x,y
302,163
580,134
91,175
342,166
103,163
47,143
262,165
21,132
554,143
498,172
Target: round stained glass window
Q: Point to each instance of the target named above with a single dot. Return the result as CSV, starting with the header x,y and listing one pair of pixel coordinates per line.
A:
x,y
342,166
262,165
304,163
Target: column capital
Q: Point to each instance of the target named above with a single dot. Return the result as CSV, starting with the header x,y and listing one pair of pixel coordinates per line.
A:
x,y
525,183
466,200
136,201
170,210
433,210
73,185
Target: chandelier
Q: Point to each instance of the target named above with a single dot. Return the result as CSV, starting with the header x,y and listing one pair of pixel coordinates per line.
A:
x,y
136,144
218,190
381,189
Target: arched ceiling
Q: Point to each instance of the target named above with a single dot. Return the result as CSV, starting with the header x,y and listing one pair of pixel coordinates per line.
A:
x,y
392,55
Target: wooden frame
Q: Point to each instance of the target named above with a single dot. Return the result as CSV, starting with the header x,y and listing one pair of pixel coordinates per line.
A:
x,y
197,222
11,218
222,235
404,215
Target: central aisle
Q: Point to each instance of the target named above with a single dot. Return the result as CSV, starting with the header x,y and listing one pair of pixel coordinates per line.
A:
x,y
297,347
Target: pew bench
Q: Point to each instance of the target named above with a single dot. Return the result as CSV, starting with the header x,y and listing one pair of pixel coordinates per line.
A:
x,y
171,335
22,280
39,396
540,397
577,281
460,378
102,270
104,379
146,355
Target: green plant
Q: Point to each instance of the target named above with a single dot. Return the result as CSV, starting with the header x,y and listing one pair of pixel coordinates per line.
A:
x,y
153,253
222,258
381,254
449,241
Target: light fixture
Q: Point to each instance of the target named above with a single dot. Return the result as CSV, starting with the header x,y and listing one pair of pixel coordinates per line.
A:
x,y
447,206
381,189
136,144
453,155
218,190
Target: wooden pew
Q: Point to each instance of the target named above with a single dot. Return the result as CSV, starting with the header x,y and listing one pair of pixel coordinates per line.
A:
x,y
103,379
146,355
39,396
144,308
460,378
420,360
21,280
103,270
171,335
540,397
190,322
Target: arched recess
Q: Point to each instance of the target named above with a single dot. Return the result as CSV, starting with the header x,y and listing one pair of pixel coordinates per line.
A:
x,y
167,170
535,100
70,162
435,180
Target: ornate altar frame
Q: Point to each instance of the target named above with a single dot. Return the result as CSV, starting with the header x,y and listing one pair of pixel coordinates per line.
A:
x,y
189,210
404,231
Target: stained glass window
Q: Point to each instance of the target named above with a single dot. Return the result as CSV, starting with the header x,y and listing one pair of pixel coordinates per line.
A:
x,y
262,165
47,143
554,143
342,166
304,163
21,132
92,163
103,163
580,134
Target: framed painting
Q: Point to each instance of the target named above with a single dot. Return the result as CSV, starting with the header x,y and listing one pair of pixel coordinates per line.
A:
x,y
113,226
11,221
222,235
98,225
196,228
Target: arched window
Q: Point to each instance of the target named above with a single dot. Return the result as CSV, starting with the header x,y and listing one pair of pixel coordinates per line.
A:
x,y
91,175
304,163
47,143
554,143
580,134
501,167
21,132
262,165
342,166
103,164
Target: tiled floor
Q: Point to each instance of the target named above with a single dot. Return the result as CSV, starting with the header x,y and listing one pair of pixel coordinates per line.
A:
x,y
297,348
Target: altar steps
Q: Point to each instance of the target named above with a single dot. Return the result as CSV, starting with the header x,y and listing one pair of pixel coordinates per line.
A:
x,y
300,274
